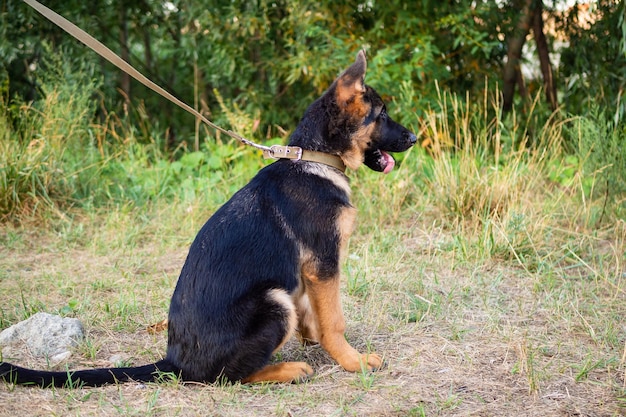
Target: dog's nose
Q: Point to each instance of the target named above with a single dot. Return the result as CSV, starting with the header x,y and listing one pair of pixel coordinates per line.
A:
x,y
412,138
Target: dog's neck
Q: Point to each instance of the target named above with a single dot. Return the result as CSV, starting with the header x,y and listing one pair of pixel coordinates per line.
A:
x,y
297,153
324,158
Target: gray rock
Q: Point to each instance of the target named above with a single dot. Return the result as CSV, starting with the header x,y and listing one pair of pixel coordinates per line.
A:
x,y
117,360
44,335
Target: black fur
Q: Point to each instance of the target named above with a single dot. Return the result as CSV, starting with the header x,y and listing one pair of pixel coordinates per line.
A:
x,y
223,321
90,377
240,253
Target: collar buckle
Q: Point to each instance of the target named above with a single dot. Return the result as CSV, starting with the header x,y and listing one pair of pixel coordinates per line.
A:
x,y
283,152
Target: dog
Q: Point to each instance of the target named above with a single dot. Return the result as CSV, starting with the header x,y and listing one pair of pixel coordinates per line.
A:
x,y
267,263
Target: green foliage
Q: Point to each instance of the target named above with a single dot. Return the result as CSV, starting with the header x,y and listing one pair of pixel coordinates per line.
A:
x,y
52,157
600,149
271,59
593,65
144,175
257,65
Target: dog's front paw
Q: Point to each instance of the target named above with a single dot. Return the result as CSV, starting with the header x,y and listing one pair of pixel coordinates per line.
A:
x,y
374,362
361,362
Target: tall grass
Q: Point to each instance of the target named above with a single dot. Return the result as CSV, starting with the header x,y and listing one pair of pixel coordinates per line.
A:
x,y
599,148
46,147
53,156
483,165
482,176
505,197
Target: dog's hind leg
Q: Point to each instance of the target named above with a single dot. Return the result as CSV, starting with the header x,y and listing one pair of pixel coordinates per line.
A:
x,y
279,302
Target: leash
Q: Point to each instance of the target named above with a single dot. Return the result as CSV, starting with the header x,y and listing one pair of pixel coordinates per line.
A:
x,y
273,152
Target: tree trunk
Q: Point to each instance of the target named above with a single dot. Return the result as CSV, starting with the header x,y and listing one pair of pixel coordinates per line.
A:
x,y
544,55
521,84
515,43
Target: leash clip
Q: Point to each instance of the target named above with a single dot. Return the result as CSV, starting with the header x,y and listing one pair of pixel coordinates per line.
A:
x,y
283,152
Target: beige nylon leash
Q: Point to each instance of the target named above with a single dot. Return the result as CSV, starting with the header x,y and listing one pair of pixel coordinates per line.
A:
x,y
275,151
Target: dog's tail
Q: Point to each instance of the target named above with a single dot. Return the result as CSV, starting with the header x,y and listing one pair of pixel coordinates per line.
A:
x,y
89,377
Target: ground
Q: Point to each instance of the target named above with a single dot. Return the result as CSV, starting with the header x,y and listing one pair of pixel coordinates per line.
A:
x,y
479,337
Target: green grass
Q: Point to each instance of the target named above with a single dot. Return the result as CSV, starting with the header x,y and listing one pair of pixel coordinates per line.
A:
x,y
489,274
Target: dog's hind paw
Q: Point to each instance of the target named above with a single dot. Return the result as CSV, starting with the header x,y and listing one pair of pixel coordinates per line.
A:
x,y
295,372
303,371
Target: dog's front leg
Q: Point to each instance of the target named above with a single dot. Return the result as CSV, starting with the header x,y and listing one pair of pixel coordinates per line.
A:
x,y
326,304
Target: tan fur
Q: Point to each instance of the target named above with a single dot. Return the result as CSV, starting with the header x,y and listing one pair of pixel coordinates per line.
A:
x,y
281,372
360,139
319,307
308,333
325,171
345,224
284,299
325,302
353,158
348,95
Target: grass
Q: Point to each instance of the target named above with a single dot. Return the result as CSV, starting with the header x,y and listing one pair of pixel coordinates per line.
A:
x,y
489,274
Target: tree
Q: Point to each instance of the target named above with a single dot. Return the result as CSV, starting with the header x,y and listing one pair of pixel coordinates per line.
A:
x,y
530,18
256,65
593,63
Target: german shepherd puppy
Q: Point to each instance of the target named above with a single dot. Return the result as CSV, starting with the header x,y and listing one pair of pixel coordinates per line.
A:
x,y
267,263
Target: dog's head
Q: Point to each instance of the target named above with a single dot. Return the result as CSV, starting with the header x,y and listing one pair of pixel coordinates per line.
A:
x,y
350,120
363,116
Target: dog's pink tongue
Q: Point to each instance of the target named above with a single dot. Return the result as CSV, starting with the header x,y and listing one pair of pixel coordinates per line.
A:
x,y
390,162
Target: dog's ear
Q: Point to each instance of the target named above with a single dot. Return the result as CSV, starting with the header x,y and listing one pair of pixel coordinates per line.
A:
x,y
352,81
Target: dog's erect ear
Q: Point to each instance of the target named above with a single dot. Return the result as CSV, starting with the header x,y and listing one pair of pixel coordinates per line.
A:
x,y
352,81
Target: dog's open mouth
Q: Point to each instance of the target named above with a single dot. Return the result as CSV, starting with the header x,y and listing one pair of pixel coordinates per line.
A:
x,y
389,162
380,161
